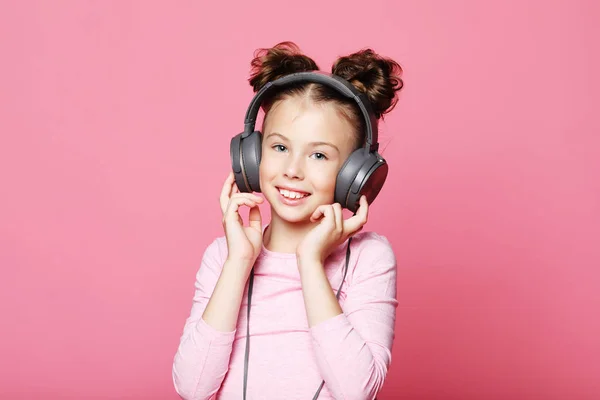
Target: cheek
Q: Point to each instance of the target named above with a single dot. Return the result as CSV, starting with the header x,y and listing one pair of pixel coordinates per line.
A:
x,y
269,169
323,180
267,166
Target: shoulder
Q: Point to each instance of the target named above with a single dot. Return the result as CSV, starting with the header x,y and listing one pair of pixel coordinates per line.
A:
x,y
214,255
372,245
371,254
217,248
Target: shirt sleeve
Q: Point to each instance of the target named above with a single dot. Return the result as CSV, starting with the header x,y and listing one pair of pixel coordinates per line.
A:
x,y
202,358
353,349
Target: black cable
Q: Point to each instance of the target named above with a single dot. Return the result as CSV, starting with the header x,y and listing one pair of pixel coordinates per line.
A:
x,y
250,284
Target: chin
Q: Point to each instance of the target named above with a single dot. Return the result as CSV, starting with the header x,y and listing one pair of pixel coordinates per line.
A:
x,y
293,215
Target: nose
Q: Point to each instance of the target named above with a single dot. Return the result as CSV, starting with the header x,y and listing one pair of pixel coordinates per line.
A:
x,y
294,168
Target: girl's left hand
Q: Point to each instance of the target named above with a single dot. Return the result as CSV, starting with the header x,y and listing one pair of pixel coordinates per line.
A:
x,y
331,231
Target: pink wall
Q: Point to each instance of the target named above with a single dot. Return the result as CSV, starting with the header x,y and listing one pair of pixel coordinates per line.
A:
x,y
115,121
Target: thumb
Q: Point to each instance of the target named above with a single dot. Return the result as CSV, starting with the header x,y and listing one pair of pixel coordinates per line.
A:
x,y
254,218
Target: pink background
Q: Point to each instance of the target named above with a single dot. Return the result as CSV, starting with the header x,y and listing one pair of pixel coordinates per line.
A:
x,y
115,121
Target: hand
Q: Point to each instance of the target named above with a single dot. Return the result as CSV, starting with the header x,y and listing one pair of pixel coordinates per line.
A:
x,y
331,231
244,243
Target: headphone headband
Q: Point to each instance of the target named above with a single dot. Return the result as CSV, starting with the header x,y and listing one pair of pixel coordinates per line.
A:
x,y
335,82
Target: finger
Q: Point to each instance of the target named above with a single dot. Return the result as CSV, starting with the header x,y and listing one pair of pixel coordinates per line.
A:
x,y
255,220
226,192
329,216
250,196
316,215
355,223
234,206
242,198
338,217
363,210
230,178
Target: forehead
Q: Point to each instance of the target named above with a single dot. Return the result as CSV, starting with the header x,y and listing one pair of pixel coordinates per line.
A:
x,y
301,119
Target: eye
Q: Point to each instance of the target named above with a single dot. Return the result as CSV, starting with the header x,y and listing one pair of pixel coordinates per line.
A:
x,y
319,156
279,148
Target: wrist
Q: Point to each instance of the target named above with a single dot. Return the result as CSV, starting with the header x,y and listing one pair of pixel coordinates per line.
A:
x,y
238,267
310,257
243,263
310,263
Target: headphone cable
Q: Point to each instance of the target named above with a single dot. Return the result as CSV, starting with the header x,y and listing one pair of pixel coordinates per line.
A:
x,y
250,284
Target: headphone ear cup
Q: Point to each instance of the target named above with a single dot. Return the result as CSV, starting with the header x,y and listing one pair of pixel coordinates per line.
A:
x,y
347,175
236,162
245,154
362,174
251,151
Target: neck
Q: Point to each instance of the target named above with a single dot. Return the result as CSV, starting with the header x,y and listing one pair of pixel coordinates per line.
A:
x,y
283,236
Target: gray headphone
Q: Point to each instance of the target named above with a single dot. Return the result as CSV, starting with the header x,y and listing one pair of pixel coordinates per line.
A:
x,y
363,173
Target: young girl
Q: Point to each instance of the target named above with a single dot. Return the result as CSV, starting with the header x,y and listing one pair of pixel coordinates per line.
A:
x,y
302,332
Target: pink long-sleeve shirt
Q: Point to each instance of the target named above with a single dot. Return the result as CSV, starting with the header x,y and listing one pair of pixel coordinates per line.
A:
x,y
288,359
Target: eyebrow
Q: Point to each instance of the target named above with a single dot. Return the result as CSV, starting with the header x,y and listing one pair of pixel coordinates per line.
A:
x,y
311,143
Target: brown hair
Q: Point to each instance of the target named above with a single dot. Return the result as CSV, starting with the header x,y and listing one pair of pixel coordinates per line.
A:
x,y
376,76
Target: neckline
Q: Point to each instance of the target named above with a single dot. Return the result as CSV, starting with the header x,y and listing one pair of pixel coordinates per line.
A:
x,y
275,254
292,256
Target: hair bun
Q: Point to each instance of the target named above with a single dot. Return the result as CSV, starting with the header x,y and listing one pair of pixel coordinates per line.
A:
x,y
374,75
282,59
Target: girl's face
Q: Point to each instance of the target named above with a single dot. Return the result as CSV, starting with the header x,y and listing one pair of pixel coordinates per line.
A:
x,y
304,147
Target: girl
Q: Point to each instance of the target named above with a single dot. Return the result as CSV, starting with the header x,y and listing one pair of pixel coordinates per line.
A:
x,y
302,333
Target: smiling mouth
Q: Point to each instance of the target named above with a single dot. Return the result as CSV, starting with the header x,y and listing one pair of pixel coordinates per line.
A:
x,y
292,195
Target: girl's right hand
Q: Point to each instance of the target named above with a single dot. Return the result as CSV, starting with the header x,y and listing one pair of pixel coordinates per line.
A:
x,y
244,243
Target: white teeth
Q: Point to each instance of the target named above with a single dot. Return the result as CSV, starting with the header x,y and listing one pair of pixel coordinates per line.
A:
x,y
291,195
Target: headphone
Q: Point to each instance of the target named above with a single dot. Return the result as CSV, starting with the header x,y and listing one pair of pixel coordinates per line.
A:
x,y
363,173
